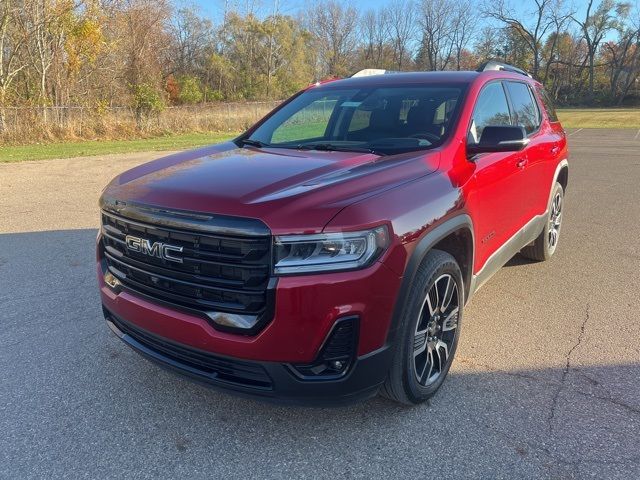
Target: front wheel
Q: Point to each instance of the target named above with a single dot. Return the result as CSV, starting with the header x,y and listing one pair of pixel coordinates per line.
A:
x,y
429,331
545,245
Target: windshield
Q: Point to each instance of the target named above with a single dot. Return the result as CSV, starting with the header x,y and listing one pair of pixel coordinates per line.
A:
x,y
385,120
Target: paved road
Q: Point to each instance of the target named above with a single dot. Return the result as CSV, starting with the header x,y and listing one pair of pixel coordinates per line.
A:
x,y
545,384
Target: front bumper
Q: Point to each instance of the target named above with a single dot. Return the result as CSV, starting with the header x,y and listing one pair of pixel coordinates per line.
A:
x,y
265,380
306,309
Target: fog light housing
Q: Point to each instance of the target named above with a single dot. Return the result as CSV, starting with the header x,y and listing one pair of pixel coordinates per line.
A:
x,y
337,354
111,280
233,321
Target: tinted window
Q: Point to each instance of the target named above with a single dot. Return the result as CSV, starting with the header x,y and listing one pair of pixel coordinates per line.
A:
x,y
491,109
524,109
384,119
548,105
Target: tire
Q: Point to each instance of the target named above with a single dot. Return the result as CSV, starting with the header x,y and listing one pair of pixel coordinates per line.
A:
x,y
421,323
545,245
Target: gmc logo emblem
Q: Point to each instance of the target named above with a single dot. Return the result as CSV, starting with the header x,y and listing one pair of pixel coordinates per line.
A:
x,y
156,249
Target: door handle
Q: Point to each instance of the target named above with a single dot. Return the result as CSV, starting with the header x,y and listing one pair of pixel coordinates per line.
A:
x,y
521,163
555,149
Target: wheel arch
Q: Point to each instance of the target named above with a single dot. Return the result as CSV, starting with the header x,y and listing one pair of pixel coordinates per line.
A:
x,y
563,176
454,236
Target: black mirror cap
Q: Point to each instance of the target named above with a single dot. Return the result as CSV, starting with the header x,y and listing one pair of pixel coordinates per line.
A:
x,y
499,139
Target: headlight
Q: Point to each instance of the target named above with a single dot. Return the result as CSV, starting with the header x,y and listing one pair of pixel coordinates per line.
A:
x,y
329,252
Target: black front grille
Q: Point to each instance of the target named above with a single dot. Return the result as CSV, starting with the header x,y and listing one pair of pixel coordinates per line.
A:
x,y
219,272
204,364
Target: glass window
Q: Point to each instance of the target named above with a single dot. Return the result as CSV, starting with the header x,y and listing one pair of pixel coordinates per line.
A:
x,y
387,120
524,108
549,105
491,110
308,122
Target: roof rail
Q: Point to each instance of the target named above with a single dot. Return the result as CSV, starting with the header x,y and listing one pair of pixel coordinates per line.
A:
x,y
367,72
497,65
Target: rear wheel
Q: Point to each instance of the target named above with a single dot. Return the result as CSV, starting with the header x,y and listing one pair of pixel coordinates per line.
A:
x,y
429,331
545,245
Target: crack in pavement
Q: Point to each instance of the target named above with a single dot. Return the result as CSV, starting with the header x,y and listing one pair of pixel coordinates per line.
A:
x,y
565,372
552,383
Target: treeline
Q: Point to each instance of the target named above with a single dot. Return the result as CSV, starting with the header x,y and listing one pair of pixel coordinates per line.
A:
x,y
148,54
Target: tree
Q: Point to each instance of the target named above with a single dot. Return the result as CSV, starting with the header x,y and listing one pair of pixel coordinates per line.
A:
x,y
147,101
44,24
595,25
464,24
11,45
437,42
143,23
334,27
375,34
190,90
191,38
623,57
532,32
486,46
402,29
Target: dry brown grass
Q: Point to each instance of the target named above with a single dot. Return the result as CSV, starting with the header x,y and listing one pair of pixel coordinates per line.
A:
x,y
36,125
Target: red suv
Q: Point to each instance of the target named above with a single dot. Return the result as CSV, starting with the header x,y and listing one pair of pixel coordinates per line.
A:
x,y
327,253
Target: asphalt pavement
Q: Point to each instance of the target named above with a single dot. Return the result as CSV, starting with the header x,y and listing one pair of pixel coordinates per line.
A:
x,y
546,381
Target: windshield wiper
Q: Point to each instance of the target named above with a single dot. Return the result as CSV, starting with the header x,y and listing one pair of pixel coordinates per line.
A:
x,y
330,147
253,143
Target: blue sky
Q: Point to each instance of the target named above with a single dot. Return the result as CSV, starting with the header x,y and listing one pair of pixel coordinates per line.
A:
x,y
214,8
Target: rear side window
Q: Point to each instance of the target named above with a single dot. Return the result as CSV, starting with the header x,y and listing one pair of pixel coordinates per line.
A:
x,y
491,110
525,110
549,106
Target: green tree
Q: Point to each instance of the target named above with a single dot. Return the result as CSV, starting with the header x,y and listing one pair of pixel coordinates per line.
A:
x,y
147,102
190,90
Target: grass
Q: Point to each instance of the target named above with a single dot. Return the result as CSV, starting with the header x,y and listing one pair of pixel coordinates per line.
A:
x,y
600,117
44,151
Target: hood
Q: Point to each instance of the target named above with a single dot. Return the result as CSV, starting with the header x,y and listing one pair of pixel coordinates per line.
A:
x,y
291,191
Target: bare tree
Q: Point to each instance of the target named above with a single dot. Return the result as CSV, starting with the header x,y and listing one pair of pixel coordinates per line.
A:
x,y
532,32
334,27
435,24
143,24
191,36
486,43
559,18
594,27
624,60
375,33
464,24
402,27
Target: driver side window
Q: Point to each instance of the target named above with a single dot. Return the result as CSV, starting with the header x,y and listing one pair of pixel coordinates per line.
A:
x,y
491,109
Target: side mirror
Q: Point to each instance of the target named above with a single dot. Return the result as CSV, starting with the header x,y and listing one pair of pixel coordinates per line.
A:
x,y
499,139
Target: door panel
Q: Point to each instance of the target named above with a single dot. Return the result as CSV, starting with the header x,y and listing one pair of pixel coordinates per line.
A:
x,y
525,113
497,200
